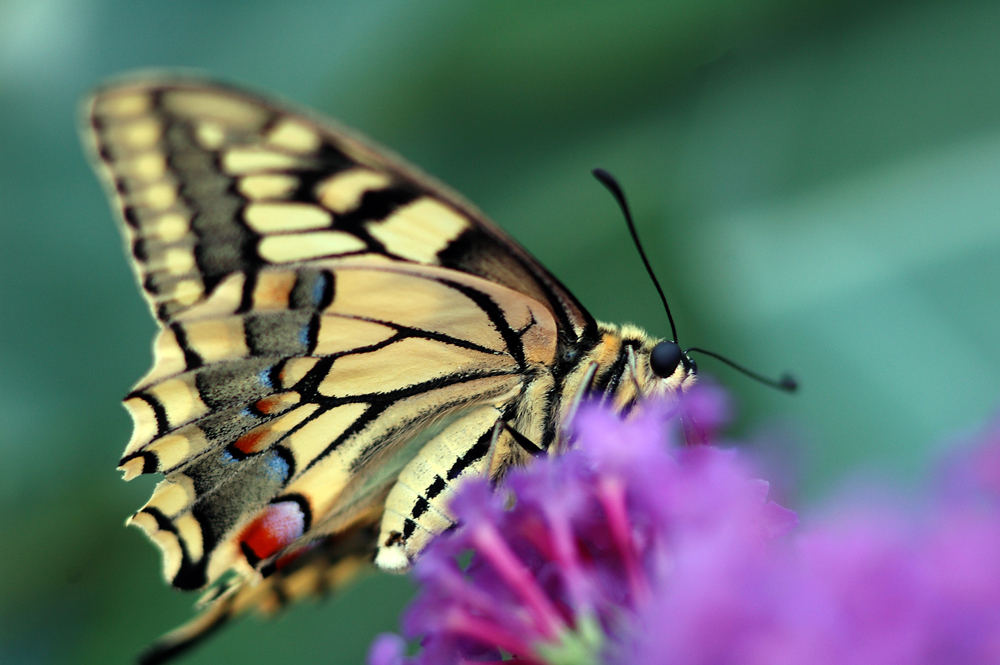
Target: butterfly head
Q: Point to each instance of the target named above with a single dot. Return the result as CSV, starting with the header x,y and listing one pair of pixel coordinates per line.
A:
x,y
668,367
657,366
666,359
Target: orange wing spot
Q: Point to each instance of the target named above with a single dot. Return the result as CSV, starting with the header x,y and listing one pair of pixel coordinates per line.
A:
x,y
248,443
276,403
272,289
276,528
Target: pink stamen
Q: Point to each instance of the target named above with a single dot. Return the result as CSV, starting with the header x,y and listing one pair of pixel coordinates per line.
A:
x,y
565,553
611,494
487,632
491,545
461,589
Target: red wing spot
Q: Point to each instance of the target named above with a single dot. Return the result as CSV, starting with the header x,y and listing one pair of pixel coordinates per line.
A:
x,y
247,443
279,525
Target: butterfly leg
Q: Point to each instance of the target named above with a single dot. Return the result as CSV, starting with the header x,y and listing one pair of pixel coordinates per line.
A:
x,y
527,444
563,442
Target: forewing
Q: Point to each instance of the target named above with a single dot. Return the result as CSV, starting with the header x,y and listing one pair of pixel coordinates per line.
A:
x,y
212,182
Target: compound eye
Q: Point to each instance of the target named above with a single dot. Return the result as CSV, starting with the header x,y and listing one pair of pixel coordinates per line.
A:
x,y
664,358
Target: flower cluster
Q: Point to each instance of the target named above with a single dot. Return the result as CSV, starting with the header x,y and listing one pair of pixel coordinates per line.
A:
x,y
633,549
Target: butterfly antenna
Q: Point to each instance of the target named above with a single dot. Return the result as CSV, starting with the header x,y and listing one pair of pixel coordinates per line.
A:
x,y
609,181
786,383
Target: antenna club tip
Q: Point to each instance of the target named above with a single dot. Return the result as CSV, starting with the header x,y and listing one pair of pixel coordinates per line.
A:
x,y
789,383
605,178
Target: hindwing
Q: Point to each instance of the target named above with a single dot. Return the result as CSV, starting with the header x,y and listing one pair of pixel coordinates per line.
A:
x,y
302,411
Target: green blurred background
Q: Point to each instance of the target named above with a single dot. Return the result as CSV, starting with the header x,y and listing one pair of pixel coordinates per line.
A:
x,y
817,183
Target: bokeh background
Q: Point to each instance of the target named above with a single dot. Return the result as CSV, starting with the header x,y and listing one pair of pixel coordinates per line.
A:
x,y
817,183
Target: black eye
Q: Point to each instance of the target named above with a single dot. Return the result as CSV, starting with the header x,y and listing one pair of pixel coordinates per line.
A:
x,y
664,358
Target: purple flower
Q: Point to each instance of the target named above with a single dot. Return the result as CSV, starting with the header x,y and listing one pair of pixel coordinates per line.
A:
x,y
867,587
387,649
632,549
568,549
974,474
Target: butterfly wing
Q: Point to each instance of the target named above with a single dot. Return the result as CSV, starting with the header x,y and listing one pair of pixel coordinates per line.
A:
x,y
319,303
317,570
289,421
213,181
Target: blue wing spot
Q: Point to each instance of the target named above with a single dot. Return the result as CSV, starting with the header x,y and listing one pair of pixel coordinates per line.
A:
x,y
276,467
304,336
319,288
264,377
227,457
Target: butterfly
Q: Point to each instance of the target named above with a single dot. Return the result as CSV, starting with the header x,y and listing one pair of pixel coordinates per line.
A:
x,y
342,340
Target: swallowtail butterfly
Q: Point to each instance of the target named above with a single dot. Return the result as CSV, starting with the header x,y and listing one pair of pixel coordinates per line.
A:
x,y
341,341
